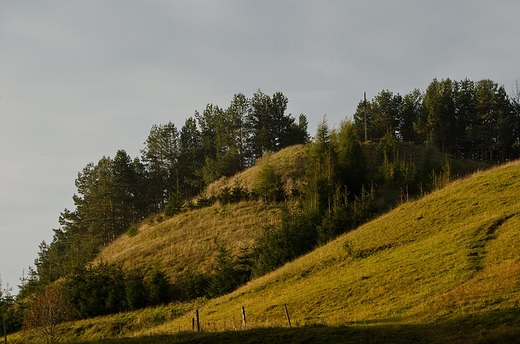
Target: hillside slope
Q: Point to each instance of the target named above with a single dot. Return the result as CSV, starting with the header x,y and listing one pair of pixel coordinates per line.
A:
x,y
444,268
192,239
452,257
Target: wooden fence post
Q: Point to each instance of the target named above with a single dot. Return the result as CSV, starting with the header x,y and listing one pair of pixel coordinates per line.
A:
x,y
287,314
198,320
244,316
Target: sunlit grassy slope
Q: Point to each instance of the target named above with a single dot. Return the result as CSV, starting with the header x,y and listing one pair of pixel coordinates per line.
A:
x,y
450,258
445,268
289,164
191,239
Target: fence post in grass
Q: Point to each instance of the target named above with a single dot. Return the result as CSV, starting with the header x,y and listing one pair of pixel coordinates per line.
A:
x,y
193,324
198,320
287,314
244,316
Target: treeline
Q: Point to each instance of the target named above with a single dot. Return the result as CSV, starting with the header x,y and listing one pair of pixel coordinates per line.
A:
x,y
100,289
115,194
338,192
329,200
466,119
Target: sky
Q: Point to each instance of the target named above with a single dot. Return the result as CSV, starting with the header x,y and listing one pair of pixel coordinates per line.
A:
x,y
81,79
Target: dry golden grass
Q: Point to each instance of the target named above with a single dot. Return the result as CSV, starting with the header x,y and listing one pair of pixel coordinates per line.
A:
x,y
192,238
288,164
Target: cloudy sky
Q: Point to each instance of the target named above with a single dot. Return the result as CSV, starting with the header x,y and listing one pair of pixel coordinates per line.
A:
x,y
82,79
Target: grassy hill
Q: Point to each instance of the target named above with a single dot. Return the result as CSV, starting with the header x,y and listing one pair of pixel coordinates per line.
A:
x,y
191,239
444,268
449,261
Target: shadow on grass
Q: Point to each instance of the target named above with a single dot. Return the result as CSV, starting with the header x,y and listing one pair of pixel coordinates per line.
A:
x,y
498,327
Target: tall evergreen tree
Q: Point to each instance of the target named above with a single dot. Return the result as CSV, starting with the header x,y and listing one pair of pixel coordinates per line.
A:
x,y
191,158
412,112
321,171
239,130
493,113
352,166
160,156
272,129
124,191
207,122
386,113
440,125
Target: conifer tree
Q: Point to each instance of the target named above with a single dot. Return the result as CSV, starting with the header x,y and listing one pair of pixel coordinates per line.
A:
x,y
352,166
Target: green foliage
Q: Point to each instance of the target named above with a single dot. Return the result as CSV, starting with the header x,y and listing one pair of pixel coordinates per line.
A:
x,y
229,272
268,182
398,173
132,230
333,187
347,214
158,288
272,129
233,194
320,172
364,207
204,202
192,284
174,205
102,289
442,178
10,320
352,166
336,221
470,120
160,157
135,290
96,290
296,236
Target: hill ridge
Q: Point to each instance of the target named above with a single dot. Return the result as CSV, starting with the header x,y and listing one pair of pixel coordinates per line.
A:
x,y
442,268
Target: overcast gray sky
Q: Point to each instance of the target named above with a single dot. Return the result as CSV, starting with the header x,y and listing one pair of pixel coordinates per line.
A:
x,y
82,79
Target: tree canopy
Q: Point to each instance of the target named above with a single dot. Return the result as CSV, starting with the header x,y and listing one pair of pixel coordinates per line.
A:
x,y
467,119
175,165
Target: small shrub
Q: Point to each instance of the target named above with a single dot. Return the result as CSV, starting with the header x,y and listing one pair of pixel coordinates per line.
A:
x,y
192,284
174,205
132,230
158,288
229,272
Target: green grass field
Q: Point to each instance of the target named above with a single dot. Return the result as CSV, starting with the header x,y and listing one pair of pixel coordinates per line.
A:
x,y
441,269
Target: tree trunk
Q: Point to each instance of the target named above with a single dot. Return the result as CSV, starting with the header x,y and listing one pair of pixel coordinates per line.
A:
x,y
5,330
